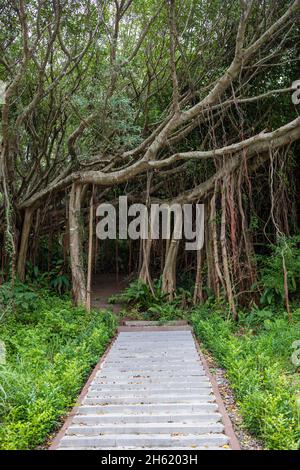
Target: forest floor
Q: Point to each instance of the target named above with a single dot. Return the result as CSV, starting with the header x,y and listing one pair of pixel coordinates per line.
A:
x,y
105,286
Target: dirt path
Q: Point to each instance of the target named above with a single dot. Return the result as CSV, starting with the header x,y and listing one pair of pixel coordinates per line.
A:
x,y
103,287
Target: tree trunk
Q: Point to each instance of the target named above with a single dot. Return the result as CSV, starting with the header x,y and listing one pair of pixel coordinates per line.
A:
x,y
78,277
21,267
144,275
90,255
169,272
209,256
248,244
35,244
218,274
224,253
198,289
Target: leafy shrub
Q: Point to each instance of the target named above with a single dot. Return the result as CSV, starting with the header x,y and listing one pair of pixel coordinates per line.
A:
x,y
272,276
260,372
22,297
50,350
166,312
56,279
138,294
256,317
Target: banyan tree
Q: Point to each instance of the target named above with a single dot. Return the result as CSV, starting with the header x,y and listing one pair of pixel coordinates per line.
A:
x,y
163,101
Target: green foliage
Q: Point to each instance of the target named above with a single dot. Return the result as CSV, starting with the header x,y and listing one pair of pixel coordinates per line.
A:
x,y
22,298
51,347
167,312
272,276
139,294
155,306
260,371
256,317
56,279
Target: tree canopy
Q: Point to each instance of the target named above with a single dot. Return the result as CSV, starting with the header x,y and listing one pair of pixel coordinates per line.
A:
x,y
174,101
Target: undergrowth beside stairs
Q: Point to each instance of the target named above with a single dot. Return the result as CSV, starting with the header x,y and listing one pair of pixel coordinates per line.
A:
x,y
50,350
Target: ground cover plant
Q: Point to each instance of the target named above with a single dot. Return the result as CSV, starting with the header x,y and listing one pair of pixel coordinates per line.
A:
x,y
258,365
50,350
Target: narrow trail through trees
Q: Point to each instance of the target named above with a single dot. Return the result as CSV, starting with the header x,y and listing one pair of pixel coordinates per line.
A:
x,y
105,286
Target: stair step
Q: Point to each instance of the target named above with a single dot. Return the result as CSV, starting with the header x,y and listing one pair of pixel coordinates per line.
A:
x,y
179,429
170,408
171,394
162,348
150,440
152,358
153,390
225,447
152,368
156,374
208,417
172,381
140,363
94,400
153,328
154,323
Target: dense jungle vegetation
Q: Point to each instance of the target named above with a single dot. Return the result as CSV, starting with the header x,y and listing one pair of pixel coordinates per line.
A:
x,y
163,102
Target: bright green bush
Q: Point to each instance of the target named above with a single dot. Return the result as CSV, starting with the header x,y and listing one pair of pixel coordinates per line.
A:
x,y
51,348
167,312
260,371
156,305
272,276
139,295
